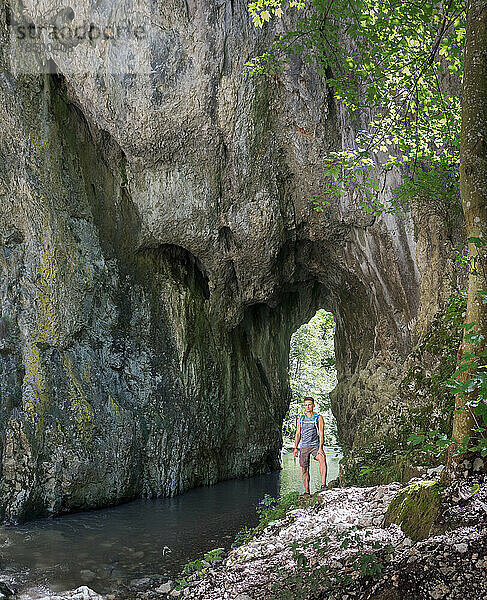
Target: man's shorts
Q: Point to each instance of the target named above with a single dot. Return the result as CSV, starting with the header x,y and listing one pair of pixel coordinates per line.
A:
x,y
305,453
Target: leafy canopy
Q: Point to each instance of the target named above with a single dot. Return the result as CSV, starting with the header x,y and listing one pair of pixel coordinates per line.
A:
x,y
390,61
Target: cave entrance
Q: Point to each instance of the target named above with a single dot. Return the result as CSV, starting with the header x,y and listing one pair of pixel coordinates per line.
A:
x,y
312,372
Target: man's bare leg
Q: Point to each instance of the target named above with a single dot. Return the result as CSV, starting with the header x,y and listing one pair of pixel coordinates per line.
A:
x,y
322,460
306,479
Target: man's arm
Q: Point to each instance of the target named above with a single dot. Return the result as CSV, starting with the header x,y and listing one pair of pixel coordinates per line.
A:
x,y
297,438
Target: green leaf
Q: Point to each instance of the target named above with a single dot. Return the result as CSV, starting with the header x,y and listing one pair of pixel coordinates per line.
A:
x,y
417,438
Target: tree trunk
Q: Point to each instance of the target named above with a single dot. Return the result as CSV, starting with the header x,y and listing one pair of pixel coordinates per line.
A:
x,y
473,189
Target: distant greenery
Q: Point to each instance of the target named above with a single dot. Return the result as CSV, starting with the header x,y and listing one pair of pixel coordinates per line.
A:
x,y
312,373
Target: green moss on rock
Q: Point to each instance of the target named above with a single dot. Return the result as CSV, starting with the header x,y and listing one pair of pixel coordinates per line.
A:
x,y
382,452
415,508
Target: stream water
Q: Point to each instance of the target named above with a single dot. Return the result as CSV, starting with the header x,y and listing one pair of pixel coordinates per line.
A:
x,y
104,549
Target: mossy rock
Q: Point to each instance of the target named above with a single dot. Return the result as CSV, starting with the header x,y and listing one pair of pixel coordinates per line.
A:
x,y
415,509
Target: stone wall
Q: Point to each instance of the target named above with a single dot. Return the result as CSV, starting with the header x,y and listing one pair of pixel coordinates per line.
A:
x,y
159,247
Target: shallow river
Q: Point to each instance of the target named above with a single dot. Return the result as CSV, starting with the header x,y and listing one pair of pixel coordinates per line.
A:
x,y
113,546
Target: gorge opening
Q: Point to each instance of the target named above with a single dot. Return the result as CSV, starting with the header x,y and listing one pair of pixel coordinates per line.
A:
x,y
312,373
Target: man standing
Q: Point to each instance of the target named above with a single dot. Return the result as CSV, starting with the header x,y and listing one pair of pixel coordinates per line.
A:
x,y
310,433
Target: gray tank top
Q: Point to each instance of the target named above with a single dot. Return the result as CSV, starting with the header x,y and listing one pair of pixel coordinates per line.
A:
x,y
309,432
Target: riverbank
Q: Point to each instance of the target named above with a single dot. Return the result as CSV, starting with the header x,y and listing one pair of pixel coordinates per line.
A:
x,y
337,548
334,546
143,543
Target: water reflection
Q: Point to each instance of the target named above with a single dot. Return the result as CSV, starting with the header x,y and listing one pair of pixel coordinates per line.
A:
x,y
105,548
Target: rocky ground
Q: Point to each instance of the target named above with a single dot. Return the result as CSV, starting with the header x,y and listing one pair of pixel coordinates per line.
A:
x,y
81,593
335,547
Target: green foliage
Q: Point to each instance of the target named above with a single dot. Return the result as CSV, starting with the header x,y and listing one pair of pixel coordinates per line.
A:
x,y
364,562
474,490
265,506
436,355
430,441
214,556
386,60
379,463
243,536
269,510
312,372
198,568
415,427
436,188
352,169
319,202
436,362
474,387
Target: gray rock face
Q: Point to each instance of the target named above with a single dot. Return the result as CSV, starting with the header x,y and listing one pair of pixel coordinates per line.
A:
x,y
158,247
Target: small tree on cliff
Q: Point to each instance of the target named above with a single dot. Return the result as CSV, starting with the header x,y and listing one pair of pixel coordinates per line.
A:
x,y
391,56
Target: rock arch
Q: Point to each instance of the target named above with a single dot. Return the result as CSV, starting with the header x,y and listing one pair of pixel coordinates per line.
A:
x,y
168,248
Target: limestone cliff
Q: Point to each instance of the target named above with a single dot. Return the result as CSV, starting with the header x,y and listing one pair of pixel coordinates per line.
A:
x,y
159,247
